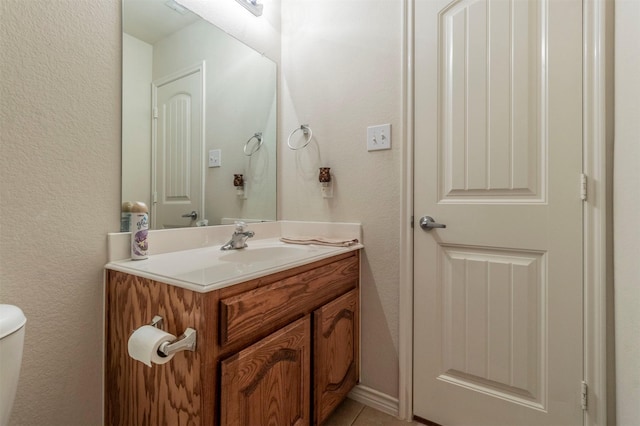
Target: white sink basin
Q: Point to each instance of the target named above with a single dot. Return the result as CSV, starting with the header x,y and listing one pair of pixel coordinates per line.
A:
x,y
209,268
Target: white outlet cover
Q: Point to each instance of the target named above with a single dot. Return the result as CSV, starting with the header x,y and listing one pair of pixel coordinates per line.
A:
x,y
379,137
215,158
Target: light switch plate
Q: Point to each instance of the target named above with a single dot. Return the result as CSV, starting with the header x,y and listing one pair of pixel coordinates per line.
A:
x,y
215,158
379,137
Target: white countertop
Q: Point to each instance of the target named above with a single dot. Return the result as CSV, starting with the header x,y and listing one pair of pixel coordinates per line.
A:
x,y
204,269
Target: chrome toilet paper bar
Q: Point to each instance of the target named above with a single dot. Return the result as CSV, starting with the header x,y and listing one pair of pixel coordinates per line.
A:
x,y
157,322
186,342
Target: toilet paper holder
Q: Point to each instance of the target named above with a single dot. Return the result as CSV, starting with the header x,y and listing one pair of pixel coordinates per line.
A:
x,y
186,342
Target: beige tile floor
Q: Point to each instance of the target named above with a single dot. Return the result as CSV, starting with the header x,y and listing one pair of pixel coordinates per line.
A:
x,y
352,413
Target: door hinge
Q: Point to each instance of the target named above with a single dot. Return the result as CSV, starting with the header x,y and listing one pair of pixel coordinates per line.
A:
x,y
154,197
155,112
583,187
584,395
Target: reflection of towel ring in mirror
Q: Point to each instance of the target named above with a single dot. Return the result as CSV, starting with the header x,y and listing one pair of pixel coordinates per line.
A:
x,y
256,147
307,132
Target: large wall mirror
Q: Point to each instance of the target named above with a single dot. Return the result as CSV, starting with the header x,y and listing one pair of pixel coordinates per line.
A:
x,y
198,109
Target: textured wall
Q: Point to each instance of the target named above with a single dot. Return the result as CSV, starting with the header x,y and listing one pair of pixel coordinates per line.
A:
x,y
626,206
341,72
59,195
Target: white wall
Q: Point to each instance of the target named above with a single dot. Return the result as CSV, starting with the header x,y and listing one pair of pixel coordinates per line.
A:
x,y
341,72
136,123
59,196
627,211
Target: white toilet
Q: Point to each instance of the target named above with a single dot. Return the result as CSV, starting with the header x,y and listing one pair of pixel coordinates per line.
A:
x,y
12,322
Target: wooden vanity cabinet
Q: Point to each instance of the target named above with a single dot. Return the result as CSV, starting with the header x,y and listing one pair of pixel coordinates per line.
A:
x,y
281,349
336,353
269,382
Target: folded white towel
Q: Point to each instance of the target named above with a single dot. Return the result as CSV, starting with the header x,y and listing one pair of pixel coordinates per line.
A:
x,y
337,242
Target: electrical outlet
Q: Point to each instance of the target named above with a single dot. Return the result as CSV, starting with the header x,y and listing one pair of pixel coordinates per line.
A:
x,y
215,158
379,137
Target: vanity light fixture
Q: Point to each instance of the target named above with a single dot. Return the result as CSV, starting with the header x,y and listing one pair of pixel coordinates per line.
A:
x,y
252,6
171,4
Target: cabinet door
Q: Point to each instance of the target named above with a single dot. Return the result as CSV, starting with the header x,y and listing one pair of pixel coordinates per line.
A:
x,y
335,353
268,383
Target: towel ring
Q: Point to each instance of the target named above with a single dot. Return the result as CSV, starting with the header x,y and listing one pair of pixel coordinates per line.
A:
x,y
256,147
307,132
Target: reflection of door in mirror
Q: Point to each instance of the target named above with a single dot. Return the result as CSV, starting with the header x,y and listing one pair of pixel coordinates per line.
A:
x,y
177,145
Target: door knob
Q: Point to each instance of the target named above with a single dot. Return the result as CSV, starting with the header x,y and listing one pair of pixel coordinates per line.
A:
x,y
427,223
193,215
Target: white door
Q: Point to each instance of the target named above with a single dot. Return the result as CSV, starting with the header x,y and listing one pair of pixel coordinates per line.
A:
x,y
498,303
178,172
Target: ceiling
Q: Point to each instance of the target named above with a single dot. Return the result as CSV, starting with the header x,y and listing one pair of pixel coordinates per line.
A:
x,y
153,20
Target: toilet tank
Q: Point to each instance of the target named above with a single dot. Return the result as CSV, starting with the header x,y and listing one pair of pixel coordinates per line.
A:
x,y
12,322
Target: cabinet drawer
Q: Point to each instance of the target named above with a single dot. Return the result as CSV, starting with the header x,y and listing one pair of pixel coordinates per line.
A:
x,y
269,307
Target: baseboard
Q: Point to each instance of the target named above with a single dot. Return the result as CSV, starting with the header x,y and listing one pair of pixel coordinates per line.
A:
x,y
375,399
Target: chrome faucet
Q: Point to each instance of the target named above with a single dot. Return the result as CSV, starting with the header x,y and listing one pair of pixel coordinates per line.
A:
x,y
239,238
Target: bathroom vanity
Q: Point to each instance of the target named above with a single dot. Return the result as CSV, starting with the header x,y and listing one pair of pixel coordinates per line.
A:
x,y
280,348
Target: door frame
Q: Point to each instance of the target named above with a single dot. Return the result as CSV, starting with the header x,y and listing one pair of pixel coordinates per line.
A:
x,y
597,210
198,67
